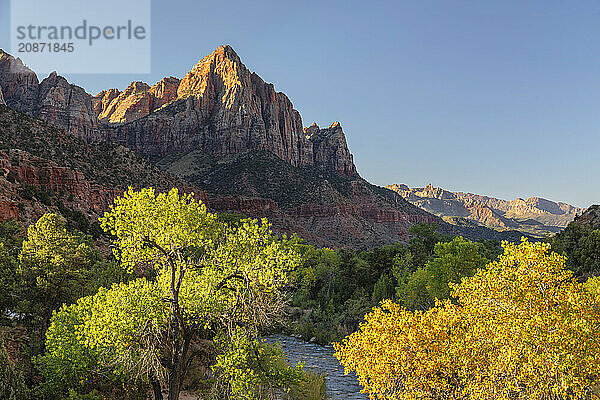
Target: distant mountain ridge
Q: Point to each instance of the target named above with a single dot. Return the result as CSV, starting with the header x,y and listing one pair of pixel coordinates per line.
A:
x,y
536,216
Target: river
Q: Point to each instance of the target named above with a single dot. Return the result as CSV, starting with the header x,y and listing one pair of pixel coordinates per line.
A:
x,y
320,359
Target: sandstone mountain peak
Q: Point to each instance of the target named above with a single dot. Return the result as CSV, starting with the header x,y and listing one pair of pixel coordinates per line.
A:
x,y
226,51
219,108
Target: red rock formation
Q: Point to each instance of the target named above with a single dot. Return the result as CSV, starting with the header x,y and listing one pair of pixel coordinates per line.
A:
x,y
45,174
135,102
330,148
164,92
19,83
8,209
369,212
221,108
103,99
66,106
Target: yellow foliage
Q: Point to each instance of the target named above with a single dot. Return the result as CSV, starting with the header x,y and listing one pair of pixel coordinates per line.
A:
x,y
521,328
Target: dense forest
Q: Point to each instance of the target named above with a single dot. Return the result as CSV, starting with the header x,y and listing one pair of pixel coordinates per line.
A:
x,y
167,297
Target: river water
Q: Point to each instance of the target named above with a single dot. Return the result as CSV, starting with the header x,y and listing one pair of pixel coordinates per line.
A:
x,y
320,359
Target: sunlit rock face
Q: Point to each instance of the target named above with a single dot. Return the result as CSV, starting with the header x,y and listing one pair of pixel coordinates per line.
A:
x,y
220,108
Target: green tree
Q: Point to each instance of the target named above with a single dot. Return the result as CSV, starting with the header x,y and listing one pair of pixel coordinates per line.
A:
x,y
423,240
11,239
580,244
451,262
212,280
384,288
54,267
8,282
12,385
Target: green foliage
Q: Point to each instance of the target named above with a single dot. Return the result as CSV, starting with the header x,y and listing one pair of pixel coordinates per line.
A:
x,y
53,267
106,272
248,369
29,192
338,287
520,328
67,364
422,243
94,395
75,218
580,244
232,219
212,280
8,281
12,235
12,384
384,288
451,262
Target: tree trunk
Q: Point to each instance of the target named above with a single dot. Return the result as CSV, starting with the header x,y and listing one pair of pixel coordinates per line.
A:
x,y
174,384
156,388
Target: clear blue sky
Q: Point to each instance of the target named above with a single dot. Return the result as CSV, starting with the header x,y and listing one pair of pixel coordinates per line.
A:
x,y
493,97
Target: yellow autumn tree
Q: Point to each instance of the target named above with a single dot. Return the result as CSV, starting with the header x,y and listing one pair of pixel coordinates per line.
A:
x,y
521,328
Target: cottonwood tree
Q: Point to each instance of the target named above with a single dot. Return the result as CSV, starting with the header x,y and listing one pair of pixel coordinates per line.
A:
x,y
521,328
54,267
212,280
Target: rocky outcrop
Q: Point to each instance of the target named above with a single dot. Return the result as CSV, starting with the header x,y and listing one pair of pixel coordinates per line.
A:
x,y
66,106
534,215
19,84
2,102
241,204
41,173
330,148
103,99
55,100
590,217
219,108
135,102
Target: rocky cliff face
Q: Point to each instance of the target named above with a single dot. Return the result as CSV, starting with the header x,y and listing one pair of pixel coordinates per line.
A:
x,y
19,84
2,102
54,99
534,215
66,106
330,148
135,102
219,108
